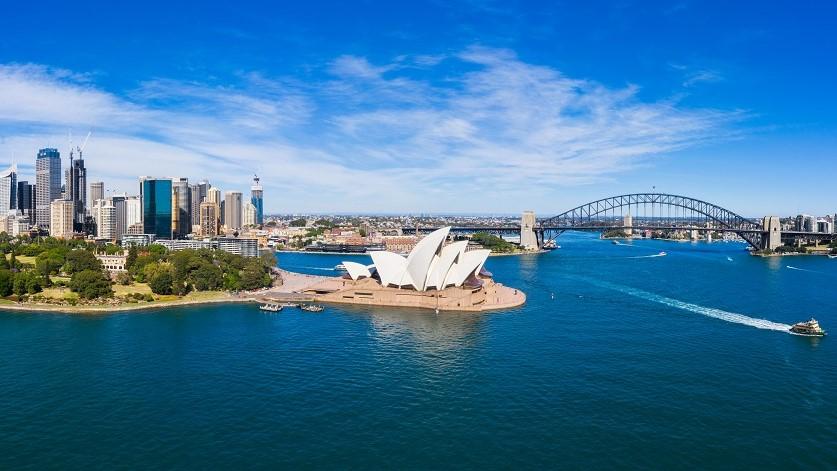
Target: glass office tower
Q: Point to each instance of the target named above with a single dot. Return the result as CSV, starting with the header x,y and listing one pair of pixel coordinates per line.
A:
x,y
156,198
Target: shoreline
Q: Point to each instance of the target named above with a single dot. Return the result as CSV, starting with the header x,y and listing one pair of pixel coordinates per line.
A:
x,y
107,309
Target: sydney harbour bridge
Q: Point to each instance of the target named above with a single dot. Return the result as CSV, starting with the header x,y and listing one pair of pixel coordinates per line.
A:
x,y
638,212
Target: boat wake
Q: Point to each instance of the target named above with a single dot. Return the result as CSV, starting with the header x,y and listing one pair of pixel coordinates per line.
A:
x,y
801,269
312,268
649,256
697,309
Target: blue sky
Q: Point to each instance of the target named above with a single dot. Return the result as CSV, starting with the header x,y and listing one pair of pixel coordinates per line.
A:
x,y
473,106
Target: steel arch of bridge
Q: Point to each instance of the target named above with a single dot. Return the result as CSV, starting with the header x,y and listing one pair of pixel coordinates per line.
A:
x,y
583,217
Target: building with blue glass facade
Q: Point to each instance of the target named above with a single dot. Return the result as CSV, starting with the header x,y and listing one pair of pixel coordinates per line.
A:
x,y
156,196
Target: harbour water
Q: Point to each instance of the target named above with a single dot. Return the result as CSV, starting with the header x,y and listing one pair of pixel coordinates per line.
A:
x,y
619,357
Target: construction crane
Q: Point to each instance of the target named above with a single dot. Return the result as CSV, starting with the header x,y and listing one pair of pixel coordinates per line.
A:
x,y
84,144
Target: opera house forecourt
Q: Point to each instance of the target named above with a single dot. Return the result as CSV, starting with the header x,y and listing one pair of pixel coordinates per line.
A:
x,y
434,275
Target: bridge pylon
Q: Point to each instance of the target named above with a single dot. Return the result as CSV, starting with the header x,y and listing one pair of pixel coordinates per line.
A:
x,y
528,238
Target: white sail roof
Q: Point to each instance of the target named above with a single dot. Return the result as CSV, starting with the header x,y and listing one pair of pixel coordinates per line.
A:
x,y
430,264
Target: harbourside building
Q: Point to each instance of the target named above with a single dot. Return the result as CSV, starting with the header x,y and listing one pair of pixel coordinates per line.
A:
x,y
233,245
139,240
113,263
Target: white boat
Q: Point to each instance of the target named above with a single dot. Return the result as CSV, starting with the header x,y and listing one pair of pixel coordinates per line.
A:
x,y
662,254
340,267
832,255
271,307
311,307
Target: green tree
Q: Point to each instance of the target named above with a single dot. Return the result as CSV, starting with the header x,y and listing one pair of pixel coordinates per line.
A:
x,y
254,277
207,277
301,222
91,284
81,260
6,283
132,257
49,262
160,281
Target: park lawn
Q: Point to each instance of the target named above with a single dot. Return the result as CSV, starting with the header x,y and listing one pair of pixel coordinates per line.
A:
x,y
25,259
57,292
193,296
56,278
121,290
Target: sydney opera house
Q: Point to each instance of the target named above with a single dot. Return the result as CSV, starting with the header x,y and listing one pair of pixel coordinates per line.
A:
x,y
433,275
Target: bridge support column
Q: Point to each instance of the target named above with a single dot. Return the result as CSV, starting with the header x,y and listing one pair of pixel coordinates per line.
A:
x,y
528,238
772,236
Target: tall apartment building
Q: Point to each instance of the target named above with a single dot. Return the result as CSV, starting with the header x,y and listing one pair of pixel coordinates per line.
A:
x,y
209,219
75,189
61,219
105,214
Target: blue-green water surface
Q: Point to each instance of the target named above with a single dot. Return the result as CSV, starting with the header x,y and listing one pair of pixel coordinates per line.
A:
x,y
619,358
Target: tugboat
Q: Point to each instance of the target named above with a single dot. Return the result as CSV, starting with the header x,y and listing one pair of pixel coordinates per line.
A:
x,y
809,329
271,307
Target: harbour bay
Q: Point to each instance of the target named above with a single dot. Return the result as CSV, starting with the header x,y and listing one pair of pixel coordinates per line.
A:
x,y
617,356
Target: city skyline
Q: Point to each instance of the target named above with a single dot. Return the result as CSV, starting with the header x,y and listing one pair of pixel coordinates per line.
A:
x,y
476,115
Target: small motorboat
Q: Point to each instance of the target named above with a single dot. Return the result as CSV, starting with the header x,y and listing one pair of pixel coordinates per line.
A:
x,y
340,267
662,254
311,307
809,329
271,307
832,255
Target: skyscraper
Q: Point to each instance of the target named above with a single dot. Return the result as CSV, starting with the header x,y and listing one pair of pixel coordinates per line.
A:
x,y
156,195
26,199
75,187
48,183
97,192
120,215
181,208
8,190
257,199
199,193
232,210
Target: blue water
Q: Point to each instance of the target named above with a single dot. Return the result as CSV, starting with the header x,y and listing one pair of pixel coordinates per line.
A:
x,y
618,358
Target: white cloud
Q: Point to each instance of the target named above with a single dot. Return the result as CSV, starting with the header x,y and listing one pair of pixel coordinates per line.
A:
x,y
490,135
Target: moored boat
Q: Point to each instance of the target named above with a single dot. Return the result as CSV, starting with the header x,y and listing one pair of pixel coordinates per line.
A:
x,y
271,307
311,307
340,267
809,328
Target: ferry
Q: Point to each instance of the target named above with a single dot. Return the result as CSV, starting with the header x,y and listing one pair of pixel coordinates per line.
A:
x,y
311,307
270,307
809,329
